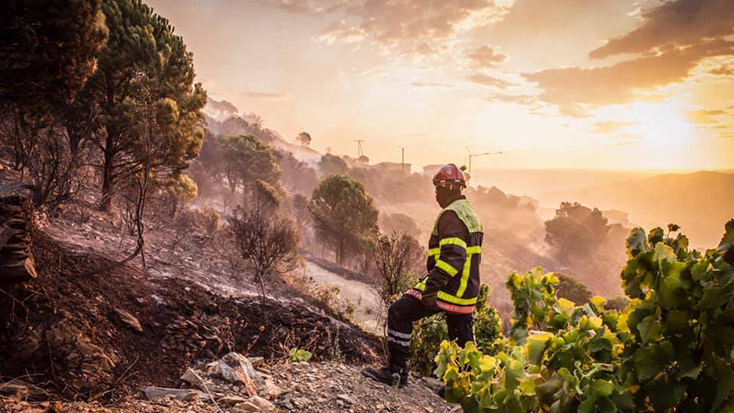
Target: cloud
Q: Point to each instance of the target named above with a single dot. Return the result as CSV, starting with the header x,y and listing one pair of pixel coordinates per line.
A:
x,y
433,85
307,6
573,89
340,31
267,95
723,70
487,80
611,127
414,27
704,116
486,56
674,23
517,99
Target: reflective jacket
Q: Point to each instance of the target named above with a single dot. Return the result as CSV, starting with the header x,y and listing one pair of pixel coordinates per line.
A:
x,y
454,256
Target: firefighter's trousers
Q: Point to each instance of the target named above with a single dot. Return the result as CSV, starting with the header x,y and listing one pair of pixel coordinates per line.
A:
x,y
400,318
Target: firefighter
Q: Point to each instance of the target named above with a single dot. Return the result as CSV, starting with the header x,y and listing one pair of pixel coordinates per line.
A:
x,y
451,284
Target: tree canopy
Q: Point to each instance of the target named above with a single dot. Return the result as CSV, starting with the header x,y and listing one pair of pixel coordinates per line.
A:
x,y
247,159
144,85
48,50
304,138
576,229
332,164
345,215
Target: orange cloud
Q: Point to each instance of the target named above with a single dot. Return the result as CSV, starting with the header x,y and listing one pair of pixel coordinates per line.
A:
x,y
416,27
487,80
307,6
723,70
575,87
486,56
610,127
678,22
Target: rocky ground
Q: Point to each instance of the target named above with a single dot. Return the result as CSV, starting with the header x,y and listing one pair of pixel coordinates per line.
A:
x,y
321,387
89,336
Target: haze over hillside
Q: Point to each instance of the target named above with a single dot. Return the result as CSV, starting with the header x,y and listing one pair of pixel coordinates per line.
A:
x,y
698,201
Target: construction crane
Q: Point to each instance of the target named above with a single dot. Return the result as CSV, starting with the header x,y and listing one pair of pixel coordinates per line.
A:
x,y
474,155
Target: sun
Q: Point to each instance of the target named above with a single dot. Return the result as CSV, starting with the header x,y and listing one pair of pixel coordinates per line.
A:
x,y
663,126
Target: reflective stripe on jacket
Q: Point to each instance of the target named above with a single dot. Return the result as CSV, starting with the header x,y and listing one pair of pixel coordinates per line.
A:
x,y
454,256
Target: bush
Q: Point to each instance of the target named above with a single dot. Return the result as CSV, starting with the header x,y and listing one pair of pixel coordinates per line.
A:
x,y
670,350
572,289
431,331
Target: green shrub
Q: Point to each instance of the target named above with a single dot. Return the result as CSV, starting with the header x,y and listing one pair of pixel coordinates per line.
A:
x,y
670,350
431,331
297,355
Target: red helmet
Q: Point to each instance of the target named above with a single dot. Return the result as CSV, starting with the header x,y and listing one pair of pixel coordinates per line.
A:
x,y
448,175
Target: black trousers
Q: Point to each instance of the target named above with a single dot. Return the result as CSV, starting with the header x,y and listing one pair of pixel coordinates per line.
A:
x,y
400,318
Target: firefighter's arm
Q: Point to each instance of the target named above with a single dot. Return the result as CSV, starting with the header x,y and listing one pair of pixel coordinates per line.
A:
x,y
452,235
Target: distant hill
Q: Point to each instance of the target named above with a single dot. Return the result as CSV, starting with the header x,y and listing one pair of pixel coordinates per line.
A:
x,y
534,182
223,118
700,202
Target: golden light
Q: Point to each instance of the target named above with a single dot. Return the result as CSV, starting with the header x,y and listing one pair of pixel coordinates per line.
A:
x,y
661,125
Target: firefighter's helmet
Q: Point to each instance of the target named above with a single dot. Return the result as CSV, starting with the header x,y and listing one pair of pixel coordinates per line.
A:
x,y
449,175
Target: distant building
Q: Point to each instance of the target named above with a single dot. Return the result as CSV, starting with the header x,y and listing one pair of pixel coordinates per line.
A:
x,y
430,170
393,166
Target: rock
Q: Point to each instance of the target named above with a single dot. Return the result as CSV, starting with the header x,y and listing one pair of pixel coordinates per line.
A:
x,y
256,362
16,228
158,300
271,391
19,271
194,379
346,399
86,365
18,389
153,393
129,319
245,407
232,400
237,369
261,403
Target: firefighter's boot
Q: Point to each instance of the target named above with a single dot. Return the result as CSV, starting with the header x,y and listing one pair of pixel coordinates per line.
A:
x,y
392,376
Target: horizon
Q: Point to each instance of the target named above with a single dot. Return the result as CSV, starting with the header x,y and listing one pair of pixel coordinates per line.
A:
x,y
625,84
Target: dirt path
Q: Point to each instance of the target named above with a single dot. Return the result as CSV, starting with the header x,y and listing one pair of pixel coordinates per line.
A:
x,y
361,295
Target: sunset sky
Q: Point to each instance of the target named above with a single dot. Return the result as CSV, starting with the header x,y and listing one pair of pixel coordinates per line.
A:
x,y
565,83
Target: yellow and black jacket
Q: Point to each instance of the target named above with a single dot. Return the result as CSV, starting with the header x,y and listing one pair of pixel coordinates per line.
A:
x,y
454,256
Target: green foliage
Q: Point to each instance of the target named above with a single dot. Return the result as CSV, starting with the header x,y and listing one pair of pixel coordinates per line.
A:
x,y
345,215
533,294
181,190
682,321
566,368
576,229
297,355
150,108
431,331
331,164
48,50
247,159
398,223
618,303
670,350
572,289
